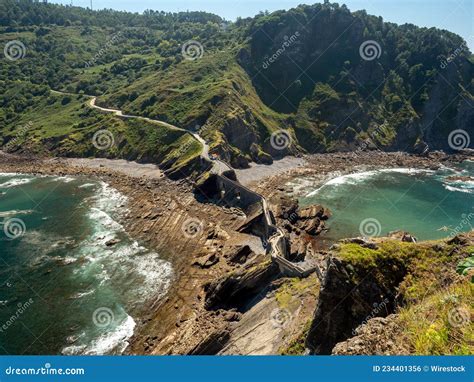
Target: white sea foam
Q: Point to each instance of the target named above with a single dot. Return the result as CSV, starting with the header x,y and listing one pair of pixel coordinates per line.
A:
x,y
4,214
157,274
79,295
115,341
141,274
65,179
15,182
360,177
459,189
73,350
87,185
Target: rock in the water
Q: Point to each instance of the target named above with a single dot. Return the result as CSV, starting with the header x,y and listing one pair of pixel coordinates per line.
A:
x,y
112,242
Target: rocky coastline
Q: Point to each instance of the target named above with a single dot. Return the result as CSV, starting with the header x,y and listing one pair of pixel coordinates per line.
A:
x,y
226,291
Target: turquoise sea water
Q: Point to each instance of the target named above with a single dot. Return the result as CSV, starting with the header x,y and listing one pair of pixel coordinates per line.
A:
x,y
428,204
63,290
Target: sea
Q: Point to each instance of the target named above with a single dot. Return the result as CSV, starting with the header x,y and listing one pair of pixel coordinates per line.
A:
x,y
429,204
72,281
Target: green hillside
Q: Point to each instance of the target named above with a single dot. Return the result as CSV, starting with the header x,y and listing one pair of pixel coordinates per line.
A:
x,y
300,70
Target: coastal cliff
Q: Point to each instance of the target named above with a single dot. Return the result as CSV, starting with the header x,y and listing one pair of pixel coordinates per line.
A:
x,y
378,297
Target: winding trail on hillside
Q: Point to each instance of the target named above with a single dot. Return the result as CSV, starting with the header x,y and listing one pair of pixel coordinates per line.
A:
x,y
276,242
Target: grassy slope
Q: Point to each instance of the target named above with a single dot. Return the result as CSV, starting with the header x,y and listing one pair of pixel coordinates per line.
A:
x,y
435,301
67,129
205,94
431,292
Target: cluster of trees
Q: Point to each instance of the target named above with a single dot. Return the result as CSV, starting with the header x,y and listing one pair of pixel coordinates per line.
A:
x,y
403,85
15,13
61,42
316,63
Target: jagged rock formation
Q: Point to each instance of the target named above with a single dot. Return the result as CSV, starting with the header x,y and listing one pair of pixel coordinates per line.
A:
x,y
236,289
367,281
381,335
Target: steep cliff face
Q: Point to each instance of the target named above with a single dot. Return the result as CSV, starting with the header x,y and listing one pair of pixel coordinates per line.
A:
x,y
414,86
311,79
345,302
366,282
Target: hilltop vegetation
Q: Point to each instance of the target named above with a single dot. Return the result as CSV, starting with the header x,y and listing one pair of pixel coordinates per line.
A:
x,y
391,297
298,70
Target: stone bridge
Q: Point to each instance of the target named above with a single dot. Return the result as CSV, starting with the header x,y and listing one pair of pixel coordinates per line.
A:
x,y
232,192
223,181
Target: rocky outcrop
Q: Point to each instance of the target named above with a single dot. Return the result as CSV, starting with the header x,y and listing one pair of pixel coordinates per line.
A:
x,y
212,344
236,289
311,219
345,302
239,255
381,335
